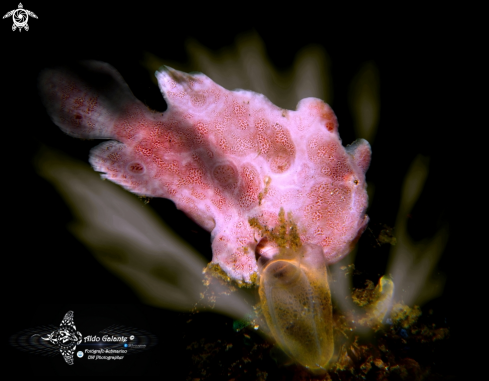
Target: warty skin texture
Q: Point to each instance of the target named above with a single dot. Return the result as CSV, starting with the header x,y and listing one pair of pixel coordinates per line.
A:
x,y
224,157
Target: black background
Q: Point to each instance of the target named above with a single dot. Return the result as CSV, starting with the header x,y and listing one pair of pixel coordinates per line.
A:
x,y
413,50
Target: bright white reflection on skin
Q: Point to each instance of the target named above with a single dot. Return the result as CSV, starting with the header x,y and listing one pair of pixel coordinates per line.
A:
x,y
161,268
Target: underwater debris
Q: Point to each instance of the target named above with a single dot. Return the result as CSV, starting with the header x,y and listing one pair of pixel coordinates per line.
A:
x,y
399,349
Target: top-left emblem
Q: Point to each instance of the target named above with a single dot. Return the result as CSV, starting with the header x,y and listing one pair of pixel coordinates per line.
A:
x,y
20,17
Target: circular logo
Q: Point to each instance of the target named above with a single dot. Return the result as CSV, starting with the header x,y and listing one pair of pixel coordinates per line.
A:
x,y
20,18
79,354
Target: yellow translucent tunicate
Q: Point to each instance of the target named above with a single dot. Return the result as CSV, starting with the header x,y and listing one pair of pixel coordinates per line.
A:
x,y
296,303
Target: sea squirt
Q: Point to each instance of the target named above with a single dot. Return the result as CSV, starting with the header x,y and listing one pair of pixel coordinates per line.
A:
x,y
296,302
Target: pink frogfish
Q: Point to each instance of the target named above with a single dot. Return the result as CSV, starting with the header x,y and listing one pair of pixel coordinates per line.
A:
x,y
279,193
225,158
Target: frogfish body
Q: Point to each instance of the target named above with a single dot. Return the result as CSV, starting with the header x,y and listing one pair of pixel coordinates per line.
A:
x,y
231,160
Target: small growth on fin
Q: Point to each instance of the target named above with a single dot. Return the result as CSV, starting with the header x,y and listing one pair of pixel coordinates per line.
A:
x,y
261,195
285,234
215,271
